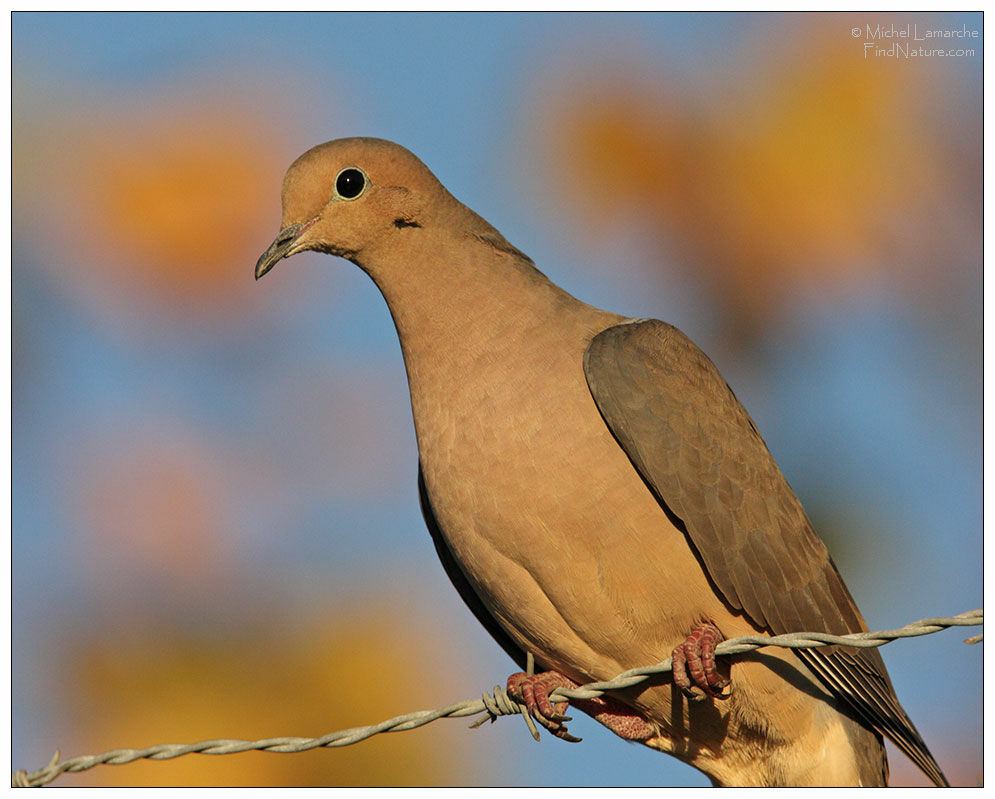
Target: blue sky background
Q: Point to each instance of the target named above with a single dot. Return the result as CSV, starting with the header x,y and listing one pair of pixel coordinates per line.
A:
x,y
281,408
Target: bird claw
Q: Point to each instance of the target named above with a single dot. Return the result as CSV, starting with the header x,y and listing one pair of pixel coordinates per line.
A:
x,y
533,691
694,668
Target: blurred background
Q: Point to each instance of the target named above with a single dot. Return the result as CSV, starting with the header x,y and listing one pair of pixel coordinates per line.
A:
x,y
215,520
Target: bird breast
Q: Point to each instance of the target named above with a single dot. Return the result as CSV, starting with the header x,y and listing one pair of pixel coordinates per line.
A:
x,y
547,517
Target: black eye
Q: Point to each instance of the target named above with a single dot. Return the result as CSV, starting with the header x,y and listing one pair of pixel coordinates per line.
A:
x,y
350,183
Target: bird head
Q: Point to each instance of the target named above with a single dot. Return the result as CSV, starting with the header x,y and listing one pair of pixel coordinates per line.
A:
x,y
349,197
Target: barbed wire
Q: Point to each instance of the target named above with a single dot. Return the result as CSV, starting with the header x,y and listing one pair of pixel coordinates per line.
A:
x,y
494,704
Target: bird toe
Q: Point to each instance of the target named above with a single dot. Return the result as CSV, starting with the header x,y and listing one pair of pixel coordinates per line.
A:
x,y
695,670
533,691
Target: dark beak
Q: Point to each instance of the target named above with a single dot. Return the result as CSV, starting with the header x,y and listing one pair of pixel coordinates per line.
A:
x,y
282,245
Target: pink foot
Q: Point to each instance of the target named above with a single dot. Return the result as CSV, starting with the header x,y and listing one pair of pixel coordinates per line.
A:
x,y
534,691
696,657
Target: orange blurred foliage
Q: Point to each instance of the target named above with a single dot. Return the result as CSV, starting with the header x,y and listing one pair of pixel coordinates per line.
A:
x,y
150,505
159,210
176,198
342,667
810,174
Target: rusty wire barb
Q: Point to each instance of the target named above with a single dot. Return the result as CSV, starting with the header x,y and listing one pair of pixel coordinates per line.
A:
x,y
492,705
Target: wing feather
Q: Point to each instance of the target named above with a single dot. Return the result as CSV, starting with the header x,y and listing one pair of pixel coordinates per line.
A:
x,y
697,449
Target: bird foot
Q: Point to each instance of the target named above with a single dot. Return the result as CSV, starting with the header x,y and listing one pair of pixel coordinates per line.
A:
x,y
695,670
533,691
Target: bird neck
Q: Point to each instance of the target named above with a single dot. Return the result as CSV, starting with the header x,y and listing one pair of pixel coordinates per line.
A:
x,y
458,298
464,305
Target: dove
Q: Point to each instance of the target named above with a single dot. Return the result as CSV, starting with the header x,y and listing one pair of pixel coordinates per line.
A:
x,y
599,497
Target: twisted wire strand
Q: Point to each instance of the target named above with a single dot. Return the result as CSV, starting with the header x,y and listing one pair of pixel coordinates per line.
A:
x,y
494,704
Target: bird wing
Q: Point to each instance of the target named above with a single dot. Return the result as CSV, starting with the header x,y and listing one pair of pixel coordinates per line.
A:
x,y
459,581
697,449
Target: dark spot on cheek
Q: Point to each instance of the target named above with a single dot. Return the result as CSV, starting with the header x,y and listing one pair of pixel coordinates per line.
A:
x,y
401,222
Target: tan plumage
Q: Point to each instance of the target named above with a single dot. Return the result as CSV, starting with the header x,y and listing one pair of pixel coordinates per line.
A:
x,y
595,490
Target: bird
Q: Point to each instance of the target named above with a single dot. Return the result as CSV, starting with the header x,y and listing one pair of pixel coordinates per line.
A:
x,y
599,497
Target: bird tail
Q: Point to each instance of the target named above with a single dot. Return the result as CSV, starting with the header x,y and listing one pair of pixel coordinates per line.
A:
x,y
860,679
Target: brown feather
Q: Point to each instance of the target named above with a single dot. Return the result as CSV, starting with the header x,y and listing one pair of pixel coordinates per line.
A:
x,y
668,407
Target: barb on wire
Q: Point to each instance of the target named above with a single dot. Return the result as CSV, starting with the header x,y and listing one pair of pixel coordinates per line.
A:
x,y
494,704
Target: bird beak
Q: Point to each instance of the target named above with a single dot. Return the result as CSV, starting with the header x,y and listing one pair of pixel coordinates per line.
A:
x,y
280,248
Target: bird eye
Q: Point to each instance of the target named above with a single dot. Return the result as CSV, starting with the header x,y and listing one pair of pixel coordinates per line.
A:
x,y
350,183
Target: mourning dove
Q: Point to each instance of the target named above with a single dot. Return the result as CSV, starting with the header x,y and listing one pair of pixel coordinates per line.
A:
x,y
599,497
